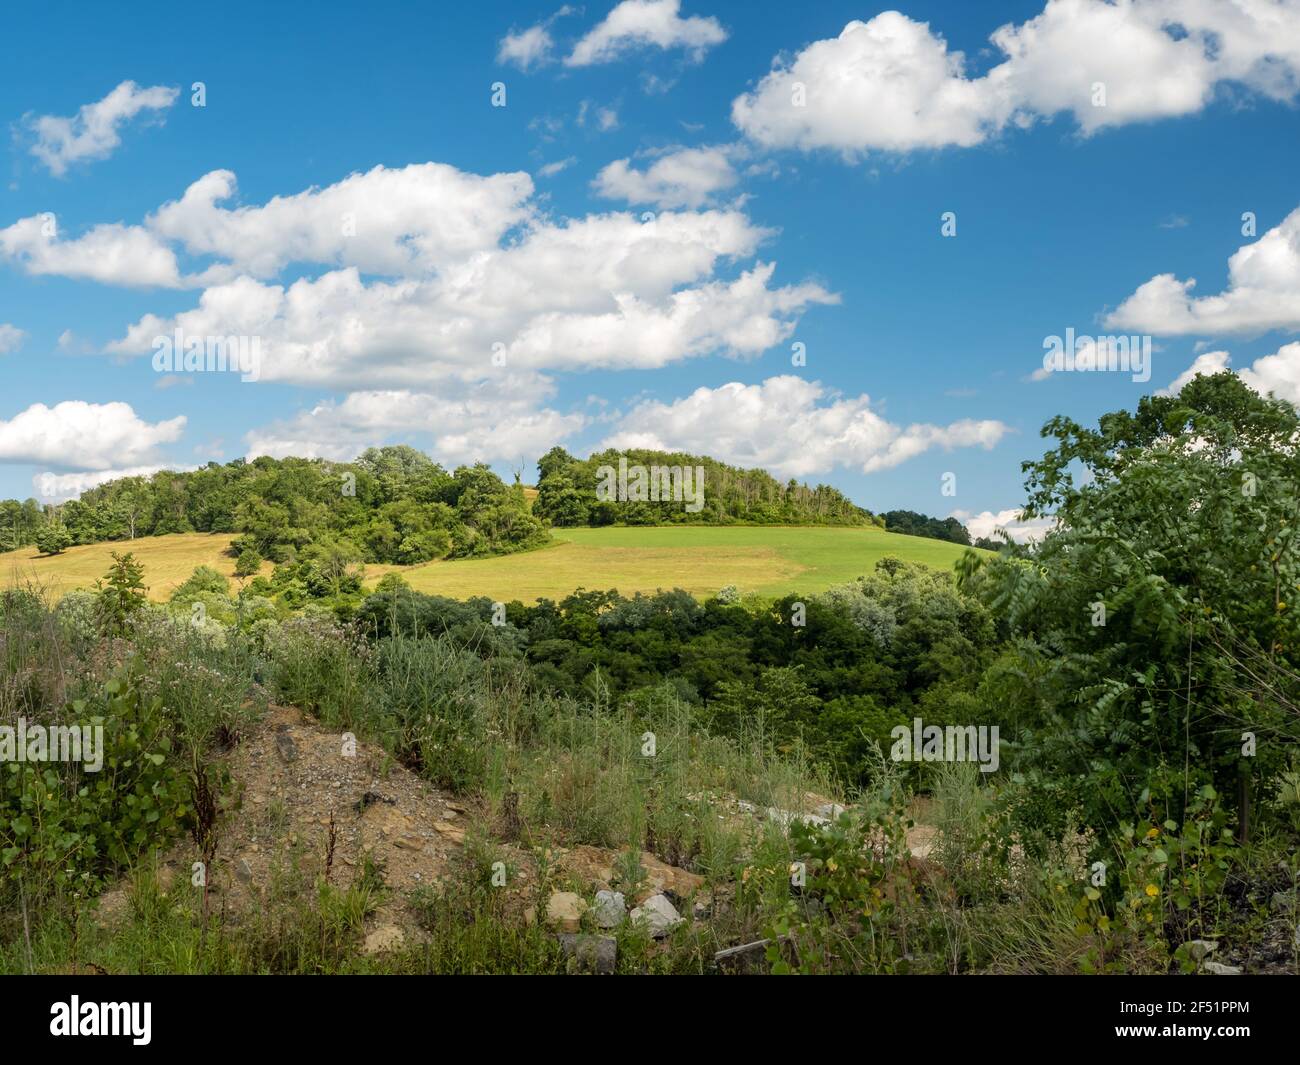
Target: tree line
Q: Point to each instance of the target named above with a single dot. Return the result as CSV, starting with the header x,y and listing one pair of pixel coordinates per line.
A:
x,y
567,494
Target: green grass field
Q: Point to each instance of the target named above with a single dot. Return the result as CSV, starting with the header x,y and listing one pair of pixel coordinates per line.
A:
x,y
766,560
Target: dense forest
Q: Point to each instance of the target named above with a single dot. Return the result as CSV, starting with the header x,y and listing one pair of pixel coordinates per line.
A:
x,y
393,505
567,494
910,523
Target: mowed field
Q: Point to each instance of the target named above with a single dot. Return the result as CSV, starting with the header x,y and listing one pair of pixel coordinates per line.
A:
x,y
168,561
770,561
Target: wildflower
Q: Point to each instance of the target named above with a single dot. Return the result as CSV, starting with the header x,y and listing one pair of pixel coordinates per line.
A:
x,y
1152,890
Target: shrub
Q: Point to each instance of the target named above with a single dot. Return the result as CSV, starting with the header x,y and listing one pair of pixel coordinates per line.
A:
x,y
53,538
122,597
63,827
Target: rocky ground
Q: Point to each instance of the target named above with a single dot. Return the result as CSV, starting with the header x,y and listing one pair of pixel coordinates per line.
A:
x,y
321,803
308,802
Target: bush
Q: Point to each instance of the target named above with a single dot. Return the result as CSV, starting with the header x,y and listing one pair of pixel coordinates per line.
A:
x,y
53,538
249,562
123,596
64,827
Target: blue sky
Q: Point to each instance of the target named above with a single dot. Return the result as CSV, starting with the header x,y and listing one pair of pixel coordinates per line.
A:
x,y
641,233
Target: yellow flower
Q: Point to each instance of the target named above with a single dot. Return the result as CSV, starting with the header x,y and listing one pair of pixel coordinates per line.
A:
x,y
1152,833
1152,890
832,865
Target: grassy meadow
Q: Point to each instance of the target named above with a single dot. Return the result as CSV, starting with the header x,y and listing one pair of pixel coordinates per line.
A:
x,y
769,561
168,561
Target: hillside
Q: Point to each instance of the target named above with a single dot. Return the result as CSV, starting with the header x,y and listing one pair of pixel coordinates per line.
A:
x,y
768,560
638,486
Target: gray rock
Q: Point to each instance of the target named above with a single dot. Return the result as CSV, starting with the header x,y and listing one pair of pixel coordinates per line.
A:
x,y
1283,901
658,914
285,745
1219,969
830,810
785,817
1199,949
596,954
243,871
610,908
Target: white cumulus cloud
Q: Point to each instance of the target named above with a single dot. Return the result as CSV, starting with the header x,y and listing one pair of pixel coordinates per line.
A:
x,y
604,291
410,220
1263,293
1276,375
526,48
480,426
11,338
683,177
790,426
646,23
110,253
57,487
1012,522
75,435
92,133
893,84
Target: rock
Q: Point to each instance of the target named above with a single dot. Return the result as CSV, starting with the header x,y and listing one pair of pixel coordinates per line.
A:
x,y
112,907
564,910
1219,969
243,871
285,745
1283,901
597,954
456,835
610,908
658,914
409,843
369,799
830,810
388,937
784,817
166,877
1199,949
702,908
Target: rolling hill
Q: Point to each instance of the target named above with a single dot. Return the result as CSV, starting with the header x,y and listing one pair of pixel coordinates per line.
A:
x,y
769,560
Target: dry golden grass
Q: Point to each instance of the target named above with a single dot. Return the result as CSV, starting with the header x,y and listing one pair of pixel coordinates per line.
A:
x,y
167,560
